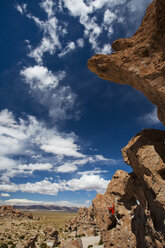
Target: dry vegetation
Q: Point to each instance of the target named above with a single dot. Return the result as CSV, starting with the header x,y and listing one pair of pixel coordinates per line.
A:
x,y
16,232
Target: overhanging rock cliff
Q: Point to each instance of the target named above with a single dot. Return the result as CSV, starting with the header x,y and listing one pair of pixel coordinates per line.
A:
x,y
139,61
139,197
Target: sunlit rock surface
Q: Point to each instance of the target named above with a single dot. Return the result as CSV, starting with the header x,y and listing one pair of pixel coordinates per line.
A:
x,y
139,61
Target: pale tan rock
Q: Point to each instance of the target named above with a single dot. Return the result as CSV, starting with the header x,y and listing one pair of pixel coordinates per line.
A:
x,y
77,243
139,61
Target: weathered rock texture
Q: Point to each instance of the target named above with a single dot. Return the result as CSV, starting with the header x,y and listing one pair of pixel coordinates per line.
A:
x,y
139,197
139,61
143,224
84,223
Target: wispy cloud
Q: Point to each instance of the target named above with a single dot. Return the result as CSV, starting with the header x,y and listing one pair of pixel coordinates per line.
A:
x,y
30,138
70,46
21,8
28,146
46,88
150,118
54,30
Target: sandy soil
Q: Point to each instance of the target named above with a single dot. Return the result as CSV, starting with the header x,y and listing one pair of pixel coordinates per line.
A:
x,y
91,240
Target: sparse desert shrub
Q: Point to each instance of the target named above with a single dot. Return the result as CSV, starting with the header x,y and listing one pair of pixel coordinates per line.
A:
x,y
80,235
10,242
89,246
43,245
100,242
96,234
13,246
22,236
4,245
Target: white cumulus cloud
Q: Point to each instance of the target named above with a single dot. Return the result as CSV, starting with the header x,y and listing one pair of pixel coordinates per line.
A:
x,y
4,195
45,87
40,77
88,182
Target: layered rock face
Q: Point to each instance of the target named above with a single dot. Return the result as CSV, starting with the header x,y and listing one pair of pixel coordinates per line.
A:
x,y
139,61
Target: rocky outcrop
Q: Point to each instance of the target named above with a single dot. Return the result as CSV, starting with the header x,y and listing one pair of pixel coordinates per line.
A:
x,y
139,196
84,223
8,211
139,61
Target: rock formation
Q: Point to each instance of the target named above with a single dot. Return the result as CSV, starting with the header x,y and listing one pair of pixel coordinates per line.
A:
x,y
139,197
8,211
139,61
84,223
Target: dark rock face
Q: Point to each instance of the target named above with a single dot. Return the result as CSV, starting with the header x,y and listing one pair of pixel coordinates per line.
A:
x,y
139,61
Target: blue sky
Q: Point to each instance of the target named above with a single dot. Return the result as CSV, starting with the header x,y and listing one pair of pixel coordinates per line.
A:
x,y
61,127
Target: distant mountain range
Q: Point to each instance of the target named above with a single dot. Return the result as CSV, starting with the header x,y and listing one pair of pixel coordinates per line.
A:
x,y
46,208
